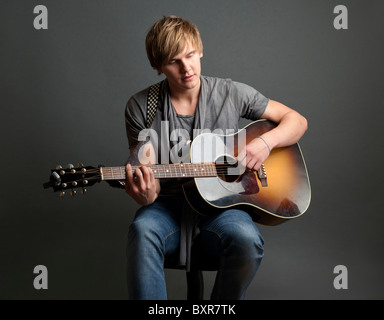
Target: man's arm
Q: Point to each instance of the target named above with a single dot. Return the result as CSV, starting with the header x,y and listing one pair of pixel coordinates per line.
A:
x,y
291,127
141,184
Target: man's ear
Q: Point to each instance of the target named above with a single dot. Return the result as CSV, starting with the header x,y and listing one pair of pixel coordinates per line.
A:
x,y
201,54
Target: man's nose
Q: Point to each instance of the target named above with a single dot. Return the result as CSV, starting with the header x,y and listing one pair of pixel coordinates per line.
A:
x,y
184,65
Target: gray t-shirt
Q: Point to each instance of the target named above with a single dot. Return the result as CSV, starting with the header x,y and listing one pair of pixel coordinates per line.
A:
x,y
222,102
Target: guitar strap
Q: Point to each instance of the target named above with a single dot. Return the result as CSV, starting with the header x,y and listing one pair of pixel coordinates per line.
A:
x,y
152,102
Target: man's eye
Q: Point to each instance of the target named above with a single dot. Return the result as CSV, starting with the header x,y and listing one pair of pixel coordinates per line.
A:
x,y
172,61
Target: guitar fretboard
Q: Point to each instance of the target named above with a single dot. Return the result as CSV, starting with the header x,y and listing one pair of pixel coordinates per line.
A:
x,y
179,170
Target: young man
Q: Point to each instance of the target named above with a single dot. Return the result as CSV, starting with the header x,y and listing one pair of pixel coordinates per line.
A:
x,y
165,228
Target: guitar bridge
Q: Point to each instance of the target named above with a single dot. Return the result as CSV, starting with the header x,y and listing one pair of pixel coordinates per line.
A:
x,y
262,175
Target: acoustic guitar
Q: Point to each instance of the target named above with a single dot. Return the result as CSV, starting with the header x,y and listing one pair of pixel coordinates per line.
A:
x,y
278,192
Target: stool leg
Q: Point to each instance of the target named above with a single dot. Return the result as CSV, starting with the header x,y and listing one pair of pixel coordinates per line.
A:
x,y
195,285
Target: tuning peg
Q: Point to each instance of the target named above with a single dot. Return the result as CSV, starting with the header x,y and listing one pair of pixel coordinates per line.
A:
x,y
62,194
71,166
80,165
73,192
55,179
58,167
83,190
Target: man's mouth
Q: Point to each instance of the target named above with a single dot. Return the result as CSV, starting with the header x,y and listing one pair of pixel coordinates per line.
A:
x,y
188,78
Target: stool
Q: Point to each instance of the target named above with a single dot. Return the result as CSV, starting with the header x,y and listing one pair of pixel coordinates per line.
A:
x,y
195,279
195,285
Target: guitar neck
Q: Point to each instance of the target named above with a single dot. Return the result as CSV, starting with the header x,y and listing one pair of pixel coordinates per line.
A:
x,y
179,170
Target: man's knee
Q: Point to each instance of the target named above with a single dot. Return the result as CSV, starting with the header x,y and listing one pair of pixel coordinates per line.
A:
x,y
242,235
246,237
151,228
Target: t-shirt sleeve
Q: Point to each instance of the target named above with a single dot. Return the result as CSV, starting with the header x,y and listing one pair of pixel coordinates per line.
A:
x,y
250,102
135,118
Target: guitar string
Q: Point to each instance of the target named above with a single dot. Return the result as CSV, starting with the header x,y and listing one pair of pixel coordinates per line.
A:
x,y
111,176
222,168
189,170
159,168
174,170
170,170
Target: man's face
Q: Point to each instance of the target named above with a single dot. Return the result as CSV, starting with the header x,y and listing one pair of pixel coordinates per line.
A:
x,y
183,70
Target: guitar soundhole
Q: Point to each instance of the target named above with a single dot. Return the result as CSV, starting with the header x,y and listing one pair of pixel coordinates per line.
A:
x,y
227,168
234,178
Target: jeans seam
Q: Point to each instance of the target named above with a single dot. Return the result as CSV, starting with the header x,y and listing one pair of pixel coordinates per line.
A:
x,y
167,236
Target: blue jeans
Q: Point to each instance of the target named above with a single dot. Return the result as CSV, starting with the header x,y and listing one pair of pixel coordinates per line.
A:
x,y
230,239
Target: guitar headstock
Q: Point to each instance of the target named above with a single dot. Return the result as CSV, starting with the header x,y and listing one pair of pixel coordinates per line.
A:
x,y
72,178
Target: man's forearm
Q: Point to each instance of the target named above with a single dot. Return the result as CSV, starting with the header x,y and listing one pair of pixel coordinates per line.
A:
x,y
290,129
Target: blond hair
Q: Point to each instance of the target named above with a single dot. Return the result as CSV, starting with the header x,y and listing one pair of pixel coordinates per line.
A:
x,y
168,37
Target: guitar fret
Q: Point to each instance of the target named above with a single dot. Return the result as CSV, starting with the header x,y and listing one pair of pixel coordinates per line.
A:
x,y
179,170
113,173
185,170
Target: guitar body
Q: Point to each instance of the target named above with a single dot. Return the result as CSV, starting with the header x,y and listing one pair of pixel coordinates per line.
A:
x,y
285,195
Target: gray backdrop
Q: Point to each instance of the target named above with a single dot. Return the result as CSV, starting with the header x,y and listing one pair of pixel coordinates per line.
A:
x,y
63,94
